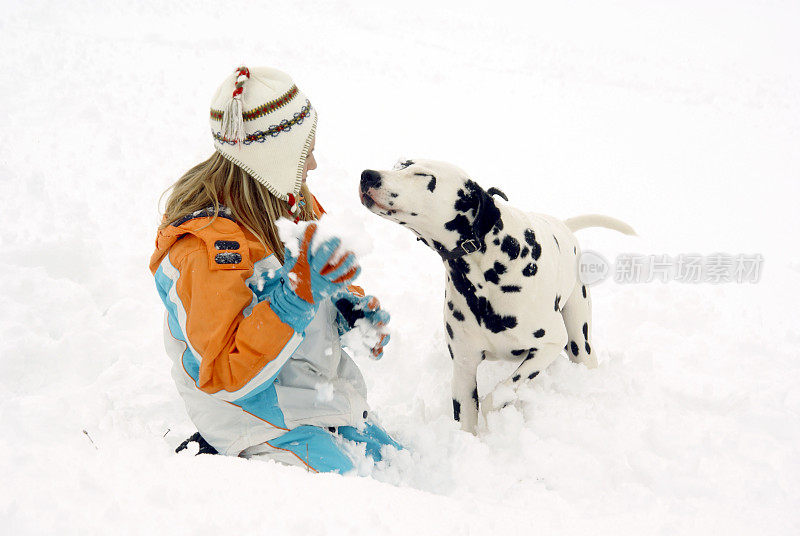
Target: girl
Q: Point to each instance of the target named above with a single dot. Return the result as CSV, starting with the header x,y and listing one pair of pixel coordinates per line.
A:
x,y
258,360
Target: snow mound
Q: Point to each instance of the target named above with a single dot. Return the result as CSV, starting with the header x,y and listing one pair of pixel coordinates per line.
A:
x,y
681,122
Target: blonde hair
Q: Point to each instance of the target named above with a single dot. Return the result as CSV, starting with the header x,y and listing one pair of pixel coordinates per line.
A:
x,y
218,182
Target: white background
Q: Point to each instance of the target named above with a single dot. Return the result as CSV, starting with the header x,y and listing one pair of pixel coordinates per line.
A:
x,y
681,118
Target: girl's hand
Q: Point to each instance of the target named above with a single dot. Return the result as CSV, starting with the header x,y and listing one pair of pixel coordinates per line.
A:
x,y
318,274
377,350
310,277
365,314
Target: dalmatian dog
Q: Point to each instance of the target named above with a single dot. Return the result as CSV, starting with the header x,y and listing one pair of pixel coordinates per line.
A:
x,y
512,289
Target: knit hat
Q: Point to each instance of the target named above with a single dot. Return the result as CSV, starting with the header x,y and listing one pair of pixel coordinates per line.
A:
x,y
262,123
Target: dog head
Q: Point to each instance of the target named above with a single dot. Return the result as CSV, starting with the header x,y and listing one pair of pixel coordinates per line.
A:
x,y
436,200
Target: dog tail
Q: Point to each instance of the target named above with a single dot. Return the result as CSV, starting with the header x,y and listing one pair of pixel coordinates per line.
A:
x,y
598,220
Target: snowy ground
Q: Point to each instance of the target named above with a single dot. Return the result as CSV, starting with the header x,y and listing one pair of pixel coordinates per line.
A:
x,y
681,118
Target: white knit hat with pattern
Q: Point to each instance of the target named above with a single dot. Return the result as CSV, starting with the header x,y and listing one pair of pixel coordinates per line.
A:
x,y
262,123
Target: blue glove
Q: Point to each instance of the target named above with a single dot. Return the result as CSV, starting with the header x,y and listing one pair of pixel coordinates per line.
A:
x,y
305,280
353,308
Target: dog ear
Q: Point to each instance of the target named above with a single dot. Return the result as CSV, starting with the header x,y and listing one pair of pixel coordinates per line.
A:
x,y
496,191
488,213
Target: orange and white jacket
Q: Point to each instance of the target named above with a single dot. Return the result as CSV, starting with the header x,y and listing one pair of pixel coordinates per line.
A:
x,y
245,376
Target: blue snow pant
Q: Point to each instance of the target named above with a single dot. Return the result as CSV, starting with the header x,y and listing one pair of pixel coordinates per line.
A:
x,y
318,447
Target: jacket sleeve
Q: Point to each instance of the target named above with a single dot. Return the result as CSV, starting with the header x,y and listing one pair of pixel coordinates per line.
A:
x,y
240,344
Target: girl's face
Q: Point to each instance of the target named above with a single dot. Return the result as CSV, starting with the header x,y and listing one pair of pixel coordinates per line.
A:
x,y
311,162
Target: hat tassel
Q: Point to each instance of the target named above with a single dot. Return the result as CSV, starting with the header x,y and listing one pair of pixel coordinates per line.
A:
x,y
233,115
233,121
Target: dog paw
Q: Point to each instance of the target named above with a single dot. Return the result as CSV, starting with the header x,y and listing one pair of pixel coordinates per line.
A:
x,y
502,396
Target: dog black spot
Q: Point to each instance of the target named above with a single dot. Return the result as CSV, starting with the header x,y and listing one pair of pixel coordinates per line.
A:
x,y
461,225
432,183
586,331
516,378
558,300
469,199
391,212
449,330
450,305
490,275
530,269
536,248
458,315
483,355
392,194
588,348
510,247
496,242
533,374
557,244
583,288
527,352
499,268
539,333
536,251
574,348
451,352
575,250
498,226
511,288
456,410
480,286
391,203
480,307
402,223
403,165
506,322
524,252
414,214
475,396
530,237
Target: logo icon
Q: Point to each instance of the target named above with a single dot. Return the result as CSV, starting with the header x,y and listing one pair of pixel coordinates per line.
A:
x,y
593,268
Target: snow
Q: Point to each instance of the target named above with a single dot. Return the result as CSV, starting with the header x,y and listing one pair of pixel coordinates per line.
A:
x,y
291,234
680,118
360,340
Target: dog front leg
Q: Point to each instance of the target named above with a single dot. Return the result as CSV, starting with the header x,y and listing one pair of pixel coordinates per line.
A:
x,y
465,388
505,392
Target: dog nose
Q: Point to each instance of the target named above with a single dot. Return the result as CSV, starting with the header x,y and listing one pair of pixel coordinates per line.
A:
x,y
370,179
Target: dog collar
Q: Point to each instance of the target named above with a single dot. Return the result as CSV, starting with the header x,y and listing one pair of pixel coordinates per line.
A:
x,y
480,227
471,245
